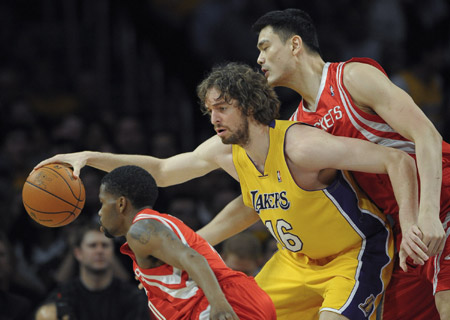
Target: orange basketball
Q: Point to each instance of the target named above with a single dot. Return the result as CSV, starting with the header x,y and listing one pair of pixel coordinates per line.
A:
x,y
52,196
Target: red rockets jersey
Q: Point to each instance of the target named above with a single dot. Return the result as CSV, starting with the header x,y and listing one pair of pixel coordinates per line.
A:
x,y
335,112
170,291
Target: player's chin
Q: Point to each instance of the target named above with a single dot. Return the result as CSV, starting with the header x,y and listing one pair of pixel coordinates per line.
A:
x,y
106,232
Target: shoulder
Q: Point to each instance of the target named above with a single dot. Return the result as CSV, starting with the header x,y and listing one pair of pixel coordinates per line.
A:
x,y
212,146
146,236
215,151
140,236
302,140
366,84
355,72
299,133
141,231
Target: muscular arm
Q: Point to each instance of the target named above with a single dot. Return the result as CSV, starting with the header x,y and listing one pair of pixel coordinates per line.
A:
x,y
234,218
210,155
374,92
311,151
152,238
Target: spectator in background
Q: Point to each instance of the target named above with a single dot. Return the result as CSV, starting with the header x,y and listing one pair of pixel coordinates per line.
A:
x,y
185,208
163,144
130,136
14,304
96,293
243,252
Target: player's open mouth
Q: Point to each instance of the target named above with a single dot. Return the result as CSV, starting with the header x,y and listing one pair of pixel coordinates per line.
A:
x,y
220,131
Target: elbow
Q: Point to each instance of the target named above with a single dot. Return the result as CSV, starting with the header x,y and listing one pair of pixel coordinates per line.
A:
x,y
157,171
438,136
405,161
434,133
428,134
191,258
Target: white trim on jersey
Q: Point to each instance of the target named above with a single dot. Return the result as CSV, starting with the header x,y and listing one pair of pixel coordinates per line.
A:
x,y
204,315
406,146
155,311
186,292
437,259
321,87
174,278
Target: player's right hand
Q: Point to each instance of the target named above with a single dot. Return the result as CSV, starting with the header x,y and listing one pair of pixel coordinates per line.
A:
x,y
76,160
433,232
412,246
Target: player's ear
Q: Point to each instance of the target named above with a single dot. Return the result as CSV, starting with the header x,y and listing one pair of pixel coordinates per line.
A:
x,y
121,204
296,44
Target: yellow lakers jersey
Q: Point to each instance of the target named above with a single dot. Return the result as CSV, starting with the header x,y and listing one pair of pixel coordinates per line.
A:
x,y
319,223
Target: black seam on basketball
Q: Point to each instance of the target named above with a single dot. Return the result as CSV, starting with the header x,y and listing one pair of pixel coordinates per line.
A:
x,y
36,186
79,182
62,222
46,212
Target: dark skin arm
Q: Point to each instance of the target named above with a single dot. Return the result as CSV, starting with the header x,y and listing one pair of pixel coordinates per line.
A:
x,y
150,238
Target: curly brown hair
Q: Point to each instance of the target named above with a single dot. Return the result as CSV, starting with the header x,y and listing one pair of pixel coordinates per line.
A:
x,y
247,86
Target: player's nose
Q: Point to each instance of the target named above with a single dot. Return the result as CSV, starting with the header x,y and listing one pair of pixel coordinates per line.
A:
x,y
260,59
215,118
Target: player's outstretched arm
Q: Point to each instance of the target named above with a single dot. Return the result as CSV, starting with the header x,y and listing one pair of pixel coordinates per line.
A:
x,y
232,219
150,237
320,150
208,156
371,89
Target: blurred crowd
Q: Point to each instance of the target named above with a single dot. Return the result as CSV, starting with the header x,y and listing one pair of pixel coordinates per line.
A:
x,y
120,76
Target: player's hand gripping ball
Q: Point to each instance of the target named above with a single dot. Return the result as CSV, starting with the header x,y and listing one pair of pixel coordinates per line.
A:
x,y
52,196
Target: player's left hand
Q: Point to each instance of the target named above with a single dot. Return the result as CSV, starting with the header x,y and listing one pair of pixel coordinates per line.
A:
x,y
433,233
222,311
412,246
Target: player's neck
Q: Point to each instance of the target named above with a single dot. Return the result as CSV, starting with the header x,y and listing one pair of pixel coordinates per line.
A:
x,y
258,145
307,82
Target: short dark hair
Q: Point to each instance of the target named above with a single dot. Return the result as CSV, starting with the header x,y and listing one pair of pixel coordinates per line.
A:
x,y
82,230
134,183
247,86
289,22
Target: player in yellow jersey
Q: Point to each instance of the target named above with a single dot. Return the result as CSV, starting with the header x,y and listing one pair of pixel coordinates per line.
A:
x,y
336,249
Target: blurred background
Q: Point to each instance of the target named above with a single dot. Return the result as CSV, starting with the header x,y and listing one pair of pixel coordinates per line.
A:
x,y
120,76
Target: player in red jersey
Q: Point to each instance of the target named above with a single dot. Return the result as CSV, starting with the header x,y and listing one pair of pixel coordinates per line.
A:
x,y
356,99
183,276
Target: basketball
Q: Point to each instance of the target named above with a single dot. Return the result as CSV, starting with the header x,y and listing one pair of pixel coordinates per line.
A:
x,y
52,196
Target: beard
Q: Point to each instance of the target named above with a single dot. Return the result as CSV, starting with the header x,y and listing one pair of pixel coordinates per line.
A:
x,y
107,233
240,137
